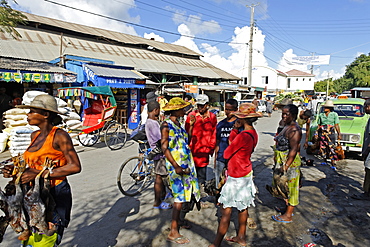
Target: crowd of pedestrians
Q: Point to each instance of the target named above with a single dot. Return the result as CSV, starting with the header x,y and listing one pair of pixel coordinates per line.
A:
x,y
190,135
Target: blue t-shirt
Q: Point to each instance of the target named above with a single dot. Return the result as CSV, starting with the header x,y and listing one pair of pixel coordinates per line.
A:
x,y
223,130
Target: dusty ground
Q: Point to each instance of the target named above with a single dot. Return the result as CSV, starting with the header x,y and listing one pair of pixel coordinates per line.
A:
x,y
326,215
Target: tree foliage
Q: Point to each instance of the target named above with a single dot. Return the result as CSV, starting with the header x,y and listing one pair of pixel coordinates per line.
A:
x,y
357,74
10,18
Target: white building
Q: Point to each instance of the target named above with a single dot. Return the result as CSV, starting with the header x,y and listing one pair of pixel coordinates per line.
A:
x,y
275,81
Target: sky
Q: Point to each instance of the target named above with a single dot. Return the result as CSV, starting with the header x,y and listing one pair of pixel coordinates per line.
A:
x,y
220,29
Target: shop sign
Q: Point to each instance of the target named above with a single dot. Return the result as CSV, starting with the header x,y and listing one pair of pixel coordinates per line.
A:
x,y
58,77
7,76
17,77
36,77
46,77
191,88
27,77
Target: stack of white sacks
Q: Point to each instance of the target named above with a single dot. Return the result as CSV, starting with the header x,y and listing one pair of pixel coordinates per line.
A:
x,y
17,133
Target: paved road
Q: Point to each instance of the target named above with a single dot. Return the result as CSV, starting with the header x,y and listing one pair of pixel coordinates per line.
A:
x,y
102,216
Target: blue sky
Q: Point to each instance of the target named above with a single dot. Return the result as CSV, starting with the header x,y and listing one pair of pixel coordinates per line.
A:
x,y
219,29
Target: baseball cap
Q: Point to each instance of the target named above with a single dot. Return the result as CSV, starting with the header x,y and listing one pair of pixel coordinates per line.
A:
x,y
202,99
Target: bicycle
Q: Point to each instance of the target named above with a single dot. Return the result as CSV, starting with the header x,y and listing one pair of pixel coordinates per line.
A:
x,y
115,135
98,116
136,172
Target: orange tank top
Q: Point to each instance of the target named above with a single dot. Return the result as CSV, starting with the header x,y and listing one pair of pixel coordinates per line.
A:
x,y
36,159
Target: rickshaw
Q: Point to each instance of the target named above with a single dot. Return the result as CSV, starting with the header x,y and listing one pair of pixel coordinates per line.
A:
x,y
98,116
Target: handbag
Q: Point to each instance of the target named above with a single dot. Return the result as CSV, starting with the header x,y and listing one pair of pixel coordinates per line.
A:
x,y
339,151
138,134
280,187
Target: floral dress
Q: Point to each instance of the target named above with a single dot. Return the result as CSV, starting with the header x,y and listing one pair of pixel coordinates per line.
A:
x,y
183,186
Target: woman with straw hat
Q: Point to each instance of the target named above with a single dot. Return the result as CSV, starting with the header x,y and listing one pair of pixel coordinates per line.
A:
x,y
180,165
239,190
328,124
55,144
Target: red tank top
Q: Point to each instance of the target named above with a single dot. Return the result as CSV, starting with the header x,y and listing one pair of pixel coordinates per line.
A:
x,y
37,158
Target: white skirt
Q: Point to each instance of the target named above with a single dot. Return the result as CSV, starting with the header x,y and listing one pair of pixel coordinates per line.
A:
x,y
238,192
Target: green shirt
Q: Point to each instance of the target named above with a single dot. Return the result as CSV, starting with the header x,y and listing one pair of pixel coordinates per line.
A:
x,y
331,119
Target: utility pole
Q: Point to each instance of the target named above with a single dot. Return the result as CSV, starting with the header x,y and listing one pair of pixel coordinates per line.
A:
x,y
249,79
327,87
311,69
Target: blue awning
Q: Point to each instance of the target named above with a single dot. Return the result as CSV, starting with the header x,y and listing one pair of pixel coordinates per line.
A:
x,y
113,77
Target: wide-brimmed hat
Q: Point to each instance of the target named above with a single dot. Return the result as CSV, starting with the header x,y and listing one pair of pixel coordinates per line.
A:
x,y
175,103
328,103
202,99
151,96
44,102
247,110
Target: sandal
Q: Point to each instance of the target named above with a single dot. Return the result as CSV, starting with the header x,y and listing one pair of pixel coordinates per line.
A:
x,y
184,224
179,240
163,205
251,223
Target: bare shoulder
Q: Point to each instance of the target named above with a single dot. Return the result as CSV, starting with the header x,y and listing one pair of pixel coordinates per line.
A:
x,y
62,135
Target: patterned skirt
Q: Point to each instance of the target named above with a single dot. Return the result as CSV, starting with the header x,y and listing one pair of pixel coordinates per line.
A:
x,y
293,174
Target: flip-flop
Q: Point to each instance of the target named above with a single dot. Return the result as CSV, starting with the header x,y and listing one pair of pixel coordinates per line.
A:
x,y
163,205
231,239
278,219
178,240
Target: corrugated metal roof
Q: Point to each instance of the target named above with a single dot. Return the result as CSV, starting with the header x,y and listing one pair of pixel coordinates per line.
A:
x,y
120,37
45,46
116,73
28,65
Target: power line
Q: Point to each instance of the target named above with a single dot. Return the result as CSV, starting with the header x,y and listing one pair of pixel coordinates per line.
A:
x,y
138,25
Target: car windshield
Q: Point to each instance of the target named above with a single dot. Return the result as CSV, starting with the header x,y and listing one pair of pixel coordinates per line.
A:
x,y
348,110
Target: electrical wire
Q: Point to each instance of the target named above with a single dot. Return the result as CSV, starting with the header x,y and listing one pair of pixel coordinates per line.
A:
x,y
138,25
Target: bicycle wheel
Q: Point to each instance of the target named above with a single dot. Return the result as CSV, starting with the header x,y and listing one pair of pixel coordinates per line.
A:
x,y
115,136
89,139
132,176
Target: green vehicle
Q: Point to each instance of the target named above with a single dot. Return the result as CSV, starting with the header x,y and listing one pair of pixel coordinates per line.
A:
x,y
352,123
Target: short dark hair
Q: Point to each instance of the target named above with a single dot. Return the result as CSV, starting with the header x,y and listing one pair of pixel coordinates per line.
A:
x,y
188,97
152,105
293,110
232,102
367,102
307,113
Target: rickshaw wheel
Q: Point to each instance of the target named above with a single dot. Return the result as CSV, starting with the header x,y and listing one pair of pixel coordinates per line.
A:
x,y
89,139
115,136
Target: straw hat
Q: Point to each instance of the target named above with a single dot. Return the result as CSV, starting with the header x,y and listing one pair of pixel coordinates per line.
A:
x,y
247,110
44,102
175,103
328,103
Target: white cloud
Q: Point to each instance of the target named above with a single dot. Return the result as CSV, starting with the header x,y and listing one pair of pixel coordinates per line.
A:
x,y
325,74
187,40
154,36
237,62
284,66
113,9
194,22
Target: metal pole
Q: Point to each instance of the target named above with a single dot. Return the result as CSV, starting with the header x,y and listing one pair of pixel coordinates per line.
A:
x,y
327,87
61,61
249,79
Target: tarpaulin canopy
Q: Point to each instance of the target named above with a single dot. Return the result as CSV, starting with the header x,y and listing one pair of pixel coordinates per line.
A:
x,y
88,92
113,77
